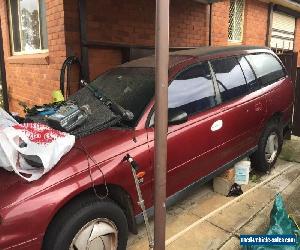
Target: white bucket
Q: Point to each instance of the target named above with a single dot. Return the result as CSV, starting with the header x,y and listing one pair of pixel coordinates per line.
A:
x,y
242,170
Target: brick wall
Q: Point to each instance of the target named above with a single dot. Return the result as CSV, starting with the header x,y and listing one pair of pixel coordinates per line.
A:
x,y
31,79
132,22
220,17
255,22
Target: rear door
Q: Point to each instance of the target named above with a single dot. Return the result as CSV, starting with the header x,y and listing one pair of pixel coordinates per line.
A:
x,y
275,84
242,110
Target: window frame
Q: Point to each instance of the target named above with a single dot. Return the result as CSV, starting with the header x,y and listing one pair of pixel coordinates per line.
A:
x,y
212,81
242,24
11,32
218,86
216,90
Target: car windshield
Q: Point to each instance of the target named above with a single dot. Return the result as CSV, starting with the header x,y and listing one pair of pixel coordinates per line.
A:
x,y
131,88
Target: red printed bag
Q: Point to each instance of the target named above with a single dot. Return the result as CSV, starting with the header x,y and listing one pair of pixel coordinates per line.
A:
x,y
34,140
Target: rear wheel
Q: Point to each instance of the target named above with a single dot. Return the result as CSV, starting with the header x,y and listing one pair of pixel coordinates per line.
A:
x,y
88,224
269,147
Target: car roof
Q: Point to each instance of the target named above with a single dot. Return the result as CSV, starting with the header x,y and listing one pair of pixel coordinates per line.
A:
x,y
183,55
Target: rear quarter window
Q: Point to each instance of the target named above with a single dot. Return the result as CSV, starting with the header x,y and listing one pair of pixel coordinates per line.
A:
x,y
267,68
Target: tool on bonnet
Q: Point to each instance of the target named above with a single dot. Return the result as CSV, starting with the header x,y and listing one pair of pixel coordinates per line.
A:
x,y
114,107
141,202
68,117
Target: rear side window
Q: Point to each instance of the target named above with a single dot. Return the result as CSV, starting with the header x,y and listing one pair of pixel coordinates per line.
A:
x,y
267,68
230,78
192,91
248,73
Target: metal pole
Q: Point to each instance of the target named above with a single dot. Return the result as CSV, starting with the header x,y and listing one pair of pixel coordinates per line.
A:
x,y
269,24
209,6
161,120
83,40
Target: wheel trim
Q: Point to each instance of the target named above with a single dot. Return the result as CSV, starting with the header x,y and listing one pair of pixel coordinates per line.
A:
x,y
96,235
271,148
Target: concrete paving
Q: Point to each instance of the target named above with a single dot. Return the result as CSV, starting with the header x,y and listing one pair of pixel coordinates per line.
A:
x,y
206,220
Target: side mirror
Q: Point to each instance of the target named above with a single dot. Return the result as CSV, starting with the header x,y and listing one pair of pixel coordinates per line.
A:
x,y
177,117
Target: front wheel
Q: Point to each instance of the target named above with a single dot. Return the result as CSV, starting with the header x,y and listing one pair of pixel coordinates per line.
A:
x,y
269,147
88,224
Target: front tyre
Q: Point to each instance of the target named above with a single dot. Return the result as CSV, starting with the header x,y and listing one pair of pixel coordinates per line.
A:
x,y
269,147
88,224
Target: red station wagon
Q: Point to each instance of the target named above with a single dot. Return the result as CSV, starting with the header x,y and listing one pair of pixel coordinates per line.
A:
x,y
225,104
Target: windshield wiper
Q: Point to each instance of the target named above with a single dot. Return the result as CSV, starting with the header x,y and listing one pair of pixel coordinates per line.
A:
x,y
125,114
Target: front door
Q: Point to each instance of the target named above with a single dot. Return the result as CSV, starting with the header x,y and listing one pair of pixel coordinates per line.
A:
x,y
190,143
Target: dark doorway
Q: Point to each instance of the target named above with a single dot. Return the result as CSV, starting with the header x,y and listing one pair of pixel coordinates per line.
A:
x,y
3,85
296,118
289,59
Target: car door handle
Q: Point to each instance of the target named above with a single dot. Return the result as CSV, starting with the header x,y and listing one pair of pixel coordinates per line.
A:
x,y
258,107
217,125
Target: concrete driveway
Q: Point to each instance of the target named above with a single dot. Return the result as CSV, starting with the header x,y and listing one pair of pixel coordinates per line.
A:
x,y
206,220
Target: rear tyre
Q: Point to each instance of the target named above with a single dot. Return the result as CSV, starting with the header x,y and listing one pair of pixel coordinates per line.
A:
x,y
269,147
88,223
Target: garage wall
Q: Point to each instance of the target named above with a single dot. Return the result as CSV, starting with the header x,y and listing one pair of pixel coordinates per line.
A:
x,y
132,22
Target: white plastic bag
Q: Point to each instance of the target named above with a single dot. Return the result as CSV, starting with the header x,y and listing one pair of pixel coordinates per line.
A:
x,y
5,121
39,140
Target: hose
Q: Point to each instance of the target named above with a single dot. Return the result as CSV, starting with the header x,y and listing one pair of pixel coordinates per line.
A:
x,y
68,63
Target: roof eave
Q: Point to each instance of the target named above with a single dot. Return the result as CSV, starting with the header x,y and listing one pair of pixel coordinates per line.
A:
x,y
286,3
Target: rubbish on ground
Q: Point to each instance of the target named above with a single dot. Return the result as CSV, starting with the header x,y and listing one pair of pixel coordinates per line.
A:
x,y
280,224
24,143
254,177
235,190
242,170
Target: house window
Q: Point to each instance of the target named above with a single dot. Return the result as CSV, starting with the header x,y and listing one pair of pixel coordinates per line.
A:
x,y
28,26
236,20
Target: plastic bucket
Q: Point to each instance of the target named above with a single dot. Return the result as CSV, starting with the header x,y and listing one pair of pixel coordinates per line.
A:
x,y
242,170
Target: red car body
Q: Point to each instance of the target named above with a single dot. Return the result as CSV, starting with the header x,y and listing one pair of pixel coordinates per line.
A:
x,y
194,152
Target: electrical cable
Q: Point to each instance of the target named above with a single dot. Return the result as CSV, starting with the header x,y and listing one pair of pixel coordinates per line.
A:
x,y
89,157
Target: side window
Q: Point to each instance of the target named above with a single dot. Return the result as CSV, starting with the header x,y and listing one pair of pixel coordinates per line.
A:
x,y
192,91
248,73
267,68
230,78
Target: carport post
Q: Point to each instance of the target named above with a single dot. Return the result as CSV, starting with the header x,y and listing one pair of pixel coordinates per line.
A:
x,y
161,120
